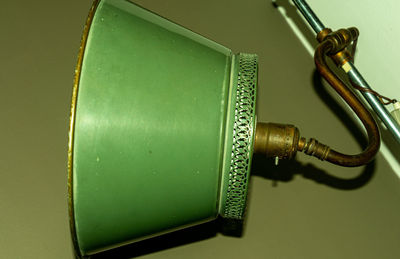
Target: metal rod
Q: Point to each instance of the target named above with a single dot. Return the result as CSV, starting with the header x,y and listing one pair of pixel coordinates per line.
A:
x,y
310,16
354,75
375,103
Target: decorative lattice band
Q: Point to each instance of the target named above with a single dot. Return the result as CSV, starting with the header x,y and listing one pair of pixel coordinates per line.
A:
x,y
242,145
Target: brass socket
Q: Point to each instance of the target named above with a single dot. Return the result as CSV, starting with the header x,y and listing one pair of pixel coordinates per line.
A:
x,y
276,140
283,141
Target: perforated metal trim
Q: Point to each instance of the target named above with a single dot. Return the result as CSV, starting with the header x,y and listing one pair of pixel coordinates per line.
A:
x,y
242,147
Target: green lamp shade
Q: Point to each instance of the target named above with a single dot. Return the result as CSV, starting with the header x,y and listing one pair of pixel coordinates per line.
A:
x,y
162,129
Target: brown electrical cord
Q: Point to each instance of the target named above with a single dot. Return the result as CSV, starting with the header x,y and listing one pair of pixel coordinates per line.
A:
x,y
381,97
322,151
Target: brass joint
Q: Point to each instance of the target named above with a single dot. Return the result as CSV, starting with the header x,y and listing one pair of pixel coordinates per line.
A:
x,y
342,57
276,140
314,148
340,39
322,34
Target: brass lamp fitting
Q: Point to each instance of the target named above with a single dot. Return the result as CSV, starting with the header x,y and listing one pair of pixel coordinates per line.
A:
x,y
340,40
283,141
276,140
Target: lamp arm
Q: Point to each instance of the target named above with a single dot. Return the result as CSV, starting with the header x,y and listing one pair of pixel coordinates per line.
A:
x,y
283,141
349,97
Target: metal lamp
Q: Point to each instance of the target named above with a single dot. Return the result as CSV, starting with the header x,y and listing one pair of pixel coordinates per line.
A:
x,y
163,126
162,129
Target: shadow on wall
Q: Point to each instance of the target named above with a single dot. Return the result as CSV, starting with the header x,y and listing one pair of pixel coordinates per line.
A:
x,y
286,171
174,239
233,228
292,13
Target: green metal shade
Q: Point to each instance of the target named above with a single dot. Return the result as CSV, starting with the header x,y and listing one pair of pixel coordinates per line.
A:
x,y
162,129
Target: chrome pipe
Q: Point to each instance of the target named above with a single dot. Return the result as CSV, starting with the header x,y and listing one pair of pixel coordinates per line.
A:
x,y
374,102
310,16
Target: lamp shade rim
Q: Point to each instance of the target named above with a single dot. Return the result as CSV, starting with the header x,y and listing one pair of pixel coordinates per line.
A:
x,y
74,98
